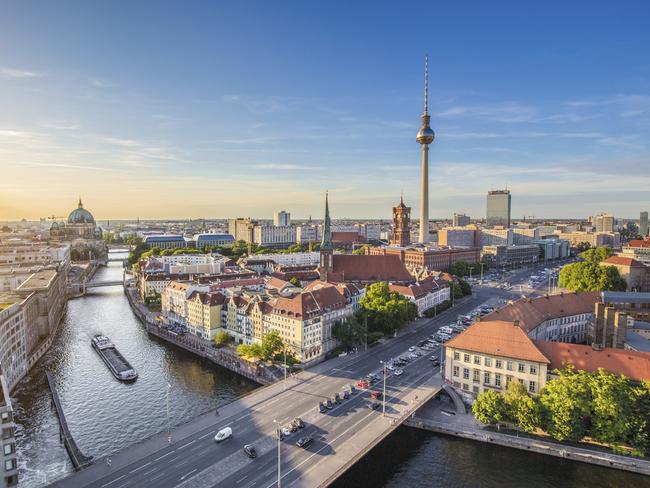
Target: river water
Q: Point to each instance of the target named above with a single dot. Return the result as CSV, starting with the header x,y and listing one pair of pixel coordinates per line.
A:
x,y
105,415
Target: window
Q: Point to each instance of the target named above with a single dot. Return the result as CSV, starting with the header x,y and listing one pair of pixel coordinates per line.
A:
x,y
531,386
498,364
533,370
497,380
9,464
455,373
466,358
509,365
8,448
488,362
486,378
477,359
477,376
465,386
456,355
465,373
475,389
522,368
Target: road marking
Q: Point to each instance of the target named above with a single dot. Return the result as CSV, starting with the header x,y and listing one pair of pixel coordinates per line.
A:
x,y
187,474
241,479
141,467
206,435
185,445
116,479
164,455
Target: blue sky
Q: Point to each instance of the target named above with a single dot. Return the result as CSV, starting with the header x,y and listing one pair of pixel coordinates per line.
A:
x,y
222,109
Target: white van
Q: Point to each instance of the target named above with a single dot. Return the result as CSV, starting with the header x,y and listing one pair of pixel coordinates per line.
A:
x,y
445,329
223,434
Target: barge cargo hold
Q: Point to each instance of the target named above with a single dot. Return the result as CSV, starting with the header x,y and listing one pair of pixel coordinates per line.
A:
x,y
117,364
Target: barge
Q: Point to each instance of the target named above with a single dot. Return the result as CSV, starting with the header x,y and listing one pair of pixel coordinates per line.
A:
x,y
116,363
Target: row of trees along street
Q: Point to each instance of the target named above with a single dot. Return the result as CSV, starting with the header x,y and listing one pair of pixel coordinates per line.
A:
x,y
598,407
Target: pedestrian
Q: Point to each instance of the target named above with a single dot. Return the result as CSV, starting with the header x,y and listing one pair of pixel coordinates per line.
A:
x,y
216,411
108,461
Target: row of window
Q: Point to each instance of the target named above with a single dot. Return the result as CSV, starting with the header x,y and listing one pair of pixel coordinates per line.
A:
x,y
490,379
498,363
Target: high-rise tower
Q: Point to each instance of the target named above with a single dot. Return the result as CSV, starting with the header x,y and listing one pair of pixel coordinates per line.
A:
x,y
425,137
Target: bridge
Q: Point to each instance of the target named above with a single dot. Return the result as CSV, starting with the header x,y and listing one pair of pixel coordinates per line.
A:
x,y
189,457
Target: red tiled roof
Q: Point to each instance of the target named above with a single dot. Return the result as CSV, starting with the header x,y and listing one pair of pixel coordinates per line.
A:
x,y
639,243
622,261
311,303
348,237
420,289
633,364
498,338
531,312
364,268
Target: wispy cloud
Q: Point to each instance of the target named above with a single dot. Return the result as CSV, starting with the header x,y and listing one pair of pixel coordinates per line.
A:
x,y
498,112
282,166
18,73
14,133
116,141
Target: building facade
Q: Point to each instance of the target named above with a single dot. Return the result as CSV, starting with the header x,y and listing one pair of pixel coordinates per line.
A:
x,y
213,240
603,223
8,456
498,207
165,241
274,236
457,237
643,224
460,220
281,218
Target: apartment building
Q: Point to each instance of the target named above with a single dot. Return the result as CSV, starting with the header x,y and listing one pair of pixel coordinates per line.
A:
x,y
565,317
165,241
496,237
8,461
426,294
274,235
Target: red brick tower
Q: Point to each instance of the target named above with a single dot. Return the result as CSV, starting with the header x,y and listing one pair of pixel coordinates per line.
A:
x,y
401,225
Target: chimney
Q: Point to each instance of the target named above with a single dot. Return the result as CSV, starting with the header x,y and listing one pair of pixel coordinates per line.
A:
x,y
515,322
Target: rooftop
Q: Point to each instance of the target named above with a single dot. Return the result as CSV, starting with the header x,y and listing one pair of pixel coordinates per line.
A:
x,y
498,338
39,280
633,364
624,297
636,341
621,261
531,312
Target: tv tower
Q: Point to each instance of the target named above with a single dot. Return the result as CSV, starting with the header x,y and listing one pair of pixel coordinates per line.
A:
x,y
425,137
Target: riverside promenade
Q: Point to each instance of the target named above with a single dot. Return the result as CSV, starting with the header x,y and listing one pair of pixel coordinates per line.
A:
x,y
444,418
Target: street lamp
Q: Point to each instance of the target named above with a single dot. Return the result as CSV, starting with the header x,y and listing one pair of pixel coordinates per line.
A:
x,y
279,433
383,396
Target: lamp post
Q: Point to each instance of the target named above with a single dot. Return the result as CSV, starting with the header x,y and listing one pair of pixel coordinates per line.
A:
x,y
383,396
278,431
481,272
285,367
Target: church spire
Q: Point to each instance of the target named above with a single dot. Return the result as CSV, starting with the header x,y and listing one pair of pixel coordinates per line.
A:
x,y
80,205
326,243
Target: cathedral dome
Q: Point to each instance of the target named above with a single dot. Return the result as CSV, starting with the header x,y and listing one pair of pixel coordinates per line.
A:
x,y
80,215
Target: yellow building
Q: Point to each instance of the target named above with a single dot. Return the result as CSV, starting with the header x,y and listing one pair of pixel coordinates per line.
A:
x,y
204,312
491,354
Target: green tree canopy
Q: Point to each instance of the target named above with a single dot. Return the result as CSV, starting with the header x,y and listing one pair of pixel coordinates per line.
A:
x,y
271,344
295,281
222,338
350,331
596,254
591,276
385,310
565,403
490,408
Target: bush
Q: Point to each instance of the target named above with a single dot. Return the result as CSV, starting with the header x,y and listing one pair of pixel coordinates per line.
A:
x,y
222,338
374,337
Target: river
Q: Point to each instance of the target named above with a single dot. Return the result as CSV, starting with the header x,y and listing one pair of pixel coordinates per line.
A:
x,y
105,415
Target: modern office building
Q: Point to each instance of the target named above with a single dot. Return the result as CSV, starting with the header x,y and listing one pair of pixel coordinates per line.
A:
x,y
604,223
242,229
274,235
496,237
165,241
460,220
213,240
307,233
553,248
643,224
281,218
498,208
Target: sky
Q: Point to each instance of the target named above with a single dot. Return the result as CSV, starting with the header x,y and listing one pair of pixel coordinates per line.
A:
x,y
158,109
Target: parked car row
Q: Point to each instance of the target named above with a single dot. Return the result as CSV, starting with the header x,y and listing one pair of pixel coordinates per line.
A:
x,y
339,397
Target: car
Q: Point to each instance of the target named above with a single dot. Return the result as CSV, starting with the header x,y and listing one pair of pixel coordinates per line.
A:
x,y
223,434
321,407
345,394
412,348
292,427
435,361
304,442
414,356
398,372
421,343
353,390
374,405
337,398
329,405
250,451
286,431
390,367
298,423
375,395
362,384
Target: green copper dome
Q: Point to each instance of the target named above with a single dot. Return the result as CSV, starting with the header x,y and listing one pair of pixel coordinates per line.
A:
x,y
80,215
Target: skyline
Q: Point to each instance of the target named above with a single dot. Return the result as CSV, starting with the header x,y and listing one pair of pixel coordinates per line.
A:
x,y
184,113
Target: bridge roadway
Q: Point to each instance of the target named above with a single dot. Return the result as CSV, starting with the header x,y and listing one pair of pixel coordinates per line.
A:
x,y
341,436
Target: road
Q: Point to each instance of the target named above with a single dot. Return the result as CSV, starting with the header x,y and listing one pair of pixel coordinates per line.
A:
x,y
194,459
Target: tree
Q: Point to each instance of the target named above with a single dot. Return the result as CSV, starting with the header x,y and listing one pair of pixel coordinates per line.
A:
x,y
591,276
565,404
459,268
360,251
271,343
523,410
490,408
295,281
596,254
582,246
465,287
386,310
222,338
350,331
456,290
611,406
